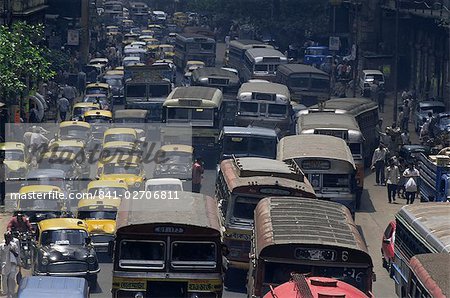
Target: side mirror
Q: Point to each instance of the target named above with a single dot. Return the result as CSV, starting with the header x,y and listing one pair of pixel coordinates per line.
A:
x,y
110,248
88,240
387,241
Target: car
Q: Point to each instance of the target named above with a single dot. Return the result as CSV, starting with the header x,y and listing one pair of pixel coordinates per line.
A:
x,y
52,286
367,78
410,152
433,106
164,184
123,168
64,248
442,124
15,159
176,162
81,107
387,245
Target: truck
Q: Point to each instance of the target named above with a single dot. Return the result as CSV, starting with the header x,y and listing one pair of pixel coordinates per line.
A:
x,y
147,87
434,179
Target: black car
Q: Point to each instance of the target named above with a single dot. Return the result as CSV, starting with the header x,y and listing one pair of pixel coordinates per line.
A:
x,y
63,248
410,152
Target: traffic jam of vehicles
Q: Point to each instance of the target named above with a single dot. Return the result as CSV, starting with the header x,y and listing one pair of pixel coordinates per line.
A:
x,y
288,164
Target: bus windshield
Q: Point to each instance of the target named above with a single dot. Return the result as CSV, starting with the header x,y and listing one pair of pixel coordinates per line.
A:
x,y
97,215
250,146
277,110
142,254
192,253
136,91
244,208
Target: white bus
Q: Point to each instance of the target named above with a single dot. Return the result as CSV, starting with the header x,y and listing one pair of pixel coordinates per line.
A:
x,y
196,47
262,64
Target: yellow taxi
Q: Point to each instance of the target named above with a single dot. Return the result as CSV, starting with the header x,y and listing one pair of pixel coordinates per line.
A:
x,y
118,150
74,130
119,68
39,202
80,108
74,146
100,121
112,30
99,213
124,168
120,135
166,51
180,19
15,159
98,88
127,24
152,44
107,188
175,162
64,248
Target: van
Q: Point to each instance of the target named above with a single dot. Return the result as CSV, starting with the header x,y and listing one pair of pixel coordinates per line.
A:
x,y
51,286
367,79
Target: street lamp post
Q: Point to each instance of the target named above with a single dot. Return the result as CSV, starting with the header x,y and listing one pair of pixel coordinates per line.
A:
x,y
396,61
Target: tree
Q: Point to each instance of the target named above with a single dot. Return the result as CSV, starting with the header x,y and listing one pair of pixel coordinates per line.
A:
x,y
24,61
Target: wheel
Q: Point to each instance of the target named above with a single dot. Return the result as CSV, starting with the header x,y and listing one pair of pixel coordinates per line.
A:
x,y
92,282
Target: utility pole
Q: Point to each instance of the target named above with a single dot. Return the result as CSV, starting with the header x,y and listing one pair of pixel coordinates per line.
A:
x,y
355,68
396,61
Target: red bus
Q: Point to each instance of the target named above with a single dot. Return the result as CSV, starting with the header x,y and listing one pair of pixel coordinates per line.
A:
x,y
313,287
429,276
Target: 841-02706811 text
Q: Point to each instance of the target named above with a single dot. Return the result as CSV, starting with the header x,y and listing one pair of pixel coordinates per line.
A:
x,y
140,195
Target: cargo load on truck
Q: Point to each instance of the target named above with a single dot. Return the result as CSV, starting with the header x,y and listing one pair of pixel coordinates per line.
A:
x,y
434,180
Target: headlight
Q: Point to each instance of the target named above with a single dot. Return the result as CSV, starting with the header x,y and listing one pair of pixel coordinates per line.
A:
x,y
137,184
44,261
194,295
139,295
90,259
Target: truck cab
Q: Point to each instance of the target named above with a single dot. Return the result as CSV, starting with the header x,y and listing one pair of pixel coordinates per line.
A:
x,y
434,181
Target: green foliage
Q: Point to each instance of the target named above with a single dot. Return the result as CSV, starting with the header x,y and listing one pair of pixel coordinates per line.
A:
x,y
23,59
286,19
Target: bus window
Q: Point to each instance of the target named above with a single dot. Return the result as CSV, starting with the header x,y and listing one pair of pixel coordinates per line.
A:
x,y
299,82
159,90
336,180
235,145
191,253
244,208
261,67
136,90
206,46
277,110
144,254
203,114
178,113
248,108
355,148
320,84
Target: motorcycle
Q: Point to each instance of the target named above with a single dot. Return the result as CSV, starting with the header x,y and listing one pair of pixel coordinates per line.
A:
x,y
24,242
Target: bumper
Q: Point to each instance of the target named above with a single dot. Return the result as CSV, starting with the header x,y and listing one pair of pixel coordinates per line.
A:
x,y
81,274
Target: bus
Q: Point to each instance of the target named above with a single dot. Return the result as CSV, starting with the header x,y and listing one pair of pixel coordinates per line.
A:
x,y
429,276
343,126
366,114
199,108
235,54
113,9
306,236
248,142
264,104
420,229
301,286
316,55
328,164
167,244
139,12
240,184
308,85
262,64
194,47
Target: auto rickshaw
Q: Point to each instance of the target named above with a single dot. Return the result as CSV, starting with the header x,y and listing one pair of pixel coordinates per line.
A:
x,y
74,130
15,159
166,51
80,108
112,30
175,162
124,168
73,146
152,44
129,38
99,88
39,202
64,248
107,188
99,213
100,121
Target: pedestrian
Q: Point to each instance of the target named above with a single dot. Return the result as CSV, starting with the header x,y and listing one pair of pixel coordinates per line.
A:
x,y
3,168
381,98
9,258
424,131
405,138
197,172
379,130
406,113
33,115
401,183
69,92
411,175
374,91
81,81
63,107
378,162
392,175
400,117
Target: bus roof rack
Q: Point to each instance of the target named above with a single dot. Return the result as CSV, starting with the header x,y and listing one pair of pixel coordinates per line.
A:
x,y
256,166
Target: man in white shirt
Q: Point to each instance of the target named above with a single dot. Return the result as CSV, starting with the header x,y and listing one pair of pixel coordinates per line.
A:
x,y
378,161
392,175
411,175
9,258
